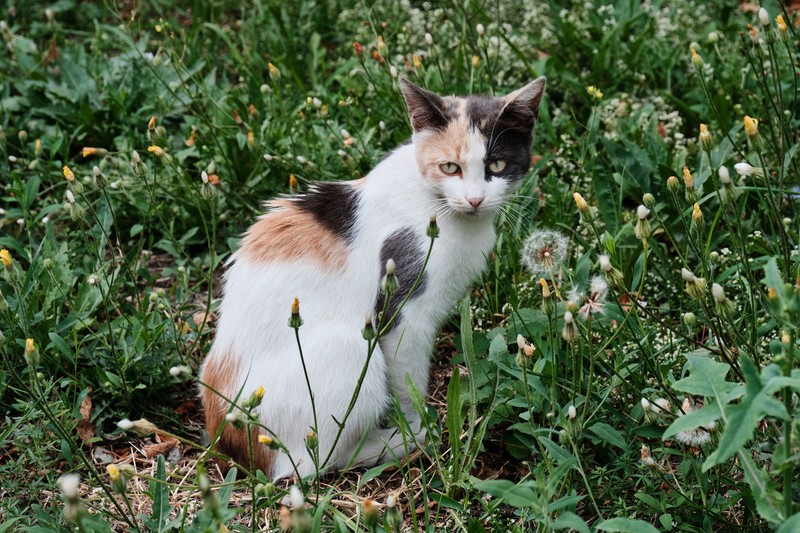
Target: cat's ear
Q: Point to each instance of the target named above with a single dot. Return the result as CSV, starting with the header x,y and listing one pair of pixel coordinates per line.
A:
x,y
522,106
425,109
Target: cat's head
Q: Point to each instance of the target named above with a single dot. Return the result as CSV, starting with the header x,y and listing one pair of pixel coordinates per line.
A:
x,y
473,149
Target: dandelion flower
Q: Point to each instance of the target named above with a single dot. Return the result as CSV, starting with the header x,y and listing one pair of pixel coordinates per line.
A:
x,y
480,29
544,251
156,150
763,17
69,484
68,174
750,126
572,412
296,498
745,169
5,258
595,303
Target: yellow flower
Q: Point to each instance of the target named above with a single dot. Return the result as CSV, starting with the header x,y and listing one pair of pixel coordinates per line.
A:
x,y
476,61
30,347
705,137
545,288
274,73
697,214
68,174
296,306
5,257
688,181
293,185
156,150
580,202
697,60
750,126
417,61
37,148
113,472
782,29
265,439
152,124
251,139
88,150
381,44
594,92
259,392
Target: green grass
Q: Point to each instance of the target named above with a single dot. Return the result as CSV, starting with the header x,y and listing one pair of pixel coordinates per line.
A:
x,y
114,275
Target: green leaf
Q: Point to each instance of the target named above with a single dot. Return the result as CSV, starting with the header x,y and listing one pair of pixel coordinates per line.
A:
x,y
516,495
791,525
559,454
626,525
745,416
700,418
159,493
454,421
707,378
570,521
608,434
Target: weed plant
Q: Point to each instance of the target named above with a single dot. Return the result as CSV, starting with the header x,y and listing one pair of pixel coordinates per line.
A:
x,y
628,362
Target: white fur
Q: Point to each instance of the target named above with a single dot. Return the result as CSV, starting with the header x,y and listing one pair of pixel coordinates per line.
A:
x,y
256,307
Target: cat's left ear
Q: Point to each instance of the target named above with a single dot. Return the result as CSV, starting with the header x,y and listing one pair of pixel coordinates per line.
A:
x,y
522,106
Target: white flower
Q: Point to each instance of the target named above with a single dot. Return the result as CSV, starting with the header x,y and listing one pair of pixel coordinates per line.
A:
x,y
204,177
175,371
125,424
544,251
96,171
605,263
744,169
390,266
595,303
697,436
687,275
568,318
302,160
45,220
429,39
135,158
391,501
92,280
598,285
572,412
393,71
317,102
661,405
20,221
341,153
70,197
646,404
724,175
718,292
296,498
480,29
231,417
763,17
12,158
69,483
382,125
642,212
345,134
267,157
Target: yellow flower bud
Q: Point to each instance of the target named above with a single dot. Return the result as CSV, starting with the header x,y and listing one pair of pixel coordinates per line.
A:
x,y
417,61
697,60
68,174
580,202
697,214
750,126
274,73
688,181
152,124
156,150
705,139
782,29
5,257
476,61
545,288
113,472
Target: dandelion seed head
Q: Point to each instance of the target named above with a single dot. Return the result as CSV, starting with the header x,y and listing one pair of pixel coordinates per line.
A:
x,y
544,251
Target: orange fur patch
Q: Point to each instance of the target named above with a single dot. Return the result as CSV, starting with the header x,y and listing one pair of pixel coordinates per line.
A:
x,y
234,443
444,146
288,233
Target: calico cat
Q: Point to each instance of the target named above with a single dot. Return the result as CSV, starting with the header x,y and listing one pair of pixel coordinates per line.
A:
x,y
329,247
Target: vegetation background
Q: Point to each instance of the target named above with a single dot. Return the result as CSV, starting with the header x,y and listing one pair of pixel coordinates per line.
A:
x,y
648,382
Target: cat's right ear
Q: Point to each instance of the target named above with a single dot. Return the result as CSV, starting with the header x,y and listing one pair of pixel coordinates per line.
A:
x,y
425,109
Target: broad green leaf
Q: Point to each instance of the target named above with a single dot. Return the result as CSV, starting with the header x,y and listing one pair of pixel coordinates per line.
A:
x,y
454,421
516,495
559,454
702,417
570,521
626,525
608,434
791,525
745,416
707,378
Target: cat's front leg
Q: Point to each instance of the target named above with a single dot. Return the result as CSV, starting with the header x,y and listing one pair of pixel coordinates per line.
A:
x,y
407,349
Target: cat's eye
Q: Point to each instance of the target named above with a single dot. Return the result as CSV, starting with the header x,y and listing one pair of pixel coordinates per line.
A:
x,y
497,166
450,168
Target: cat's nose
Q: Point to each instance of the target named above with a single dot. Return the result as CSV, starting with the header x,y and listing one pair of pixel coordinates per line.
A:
x,y
475,202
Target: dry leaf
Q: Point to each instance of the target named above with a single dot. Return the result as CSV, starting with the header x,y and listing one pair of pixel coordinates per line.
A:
x,y
84,424
160,447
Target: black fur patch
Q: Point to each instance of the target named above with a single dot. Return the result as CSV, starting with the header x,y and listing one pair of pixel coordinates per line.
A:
x,y
405,247
333,204
508,137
